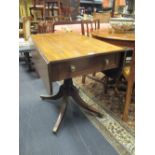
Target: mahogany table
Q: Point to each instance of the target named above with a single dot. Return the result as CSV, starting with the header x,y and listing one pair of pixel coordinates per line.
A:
x,y
62,56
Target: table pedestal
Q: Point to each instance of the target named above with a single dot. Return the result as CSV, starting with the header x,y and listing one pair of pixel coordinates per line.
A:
x,y
66,90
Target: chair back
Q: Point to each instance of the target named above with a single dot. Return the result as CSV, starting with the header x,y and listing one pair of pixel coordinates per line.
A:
x,y
46,27
87,26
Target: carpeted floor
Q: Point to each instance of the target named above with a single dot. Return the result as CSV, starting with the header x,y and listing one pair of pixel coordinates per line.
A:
x,y
36,117
119,133
110,102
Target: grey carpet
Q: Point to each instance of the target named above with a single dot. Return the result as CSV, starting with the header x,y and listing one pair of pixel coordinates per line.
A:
x,y
77,136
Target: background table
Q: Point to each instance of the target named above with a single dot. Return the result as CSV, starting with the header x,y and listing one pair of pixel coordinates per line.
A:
x,y
126,39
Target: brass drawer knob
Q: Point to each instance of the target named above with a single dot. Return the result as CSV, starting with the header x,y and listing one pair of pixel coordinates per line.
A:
x,y
107,61
73,68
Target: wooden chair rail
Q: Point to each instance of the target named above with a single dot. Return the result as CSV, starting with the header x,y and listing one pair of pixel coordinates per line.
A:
x,y
130,78
88,26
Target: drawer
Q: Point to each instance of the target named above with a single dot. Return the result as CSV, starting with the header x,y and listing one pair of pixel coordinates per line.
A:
x,y
81,66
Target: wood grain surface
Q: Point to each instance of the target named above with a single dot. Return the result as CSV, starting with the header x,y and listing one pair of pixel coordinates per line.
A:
x,y
128,36
63,46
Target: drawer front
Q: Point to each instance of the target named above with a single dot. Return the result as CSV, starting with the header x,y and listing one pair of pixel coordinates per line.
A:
x,y
82,66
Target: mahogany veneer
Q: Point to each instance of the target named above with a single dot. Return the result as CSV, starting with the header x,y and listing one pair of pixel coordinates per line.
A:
x,y
61,56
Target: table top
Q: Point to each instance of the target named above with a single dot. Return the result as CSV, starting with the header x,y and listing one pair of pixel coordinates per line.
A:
x,y
127,36
62,46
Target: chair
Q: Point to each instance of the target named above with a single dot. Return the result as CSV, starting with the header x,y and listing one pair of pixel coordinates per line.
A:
x,y
116,73
129,75
46,27
87,26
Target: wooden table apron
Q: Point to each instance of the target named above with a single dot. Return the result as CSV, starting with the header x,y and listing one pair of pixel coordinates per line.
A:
x,y
72,64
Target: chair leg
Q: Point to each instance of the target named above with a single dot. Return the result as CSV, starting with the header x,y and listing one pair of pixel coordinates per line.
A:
x,y
106,84
116,87
127,100
83,79
94,74
28,61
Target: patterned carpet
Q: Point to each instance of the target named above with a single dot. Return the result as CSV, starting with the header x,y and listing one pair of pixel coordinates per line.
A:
x,y
119,133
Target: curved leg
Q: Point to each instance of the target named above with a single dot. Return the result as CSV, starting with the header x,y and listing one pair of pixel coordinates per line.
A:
x,y
79,101
60,117
51,97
